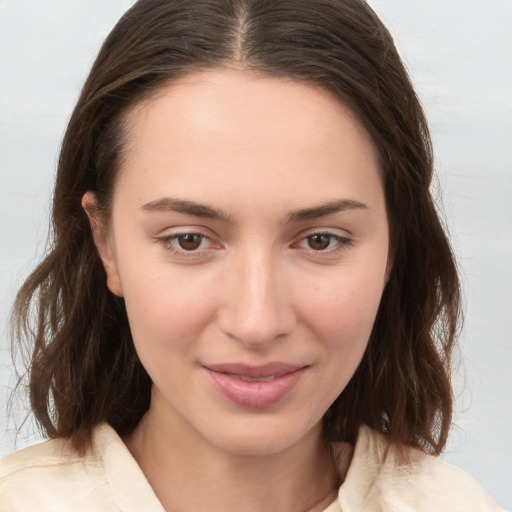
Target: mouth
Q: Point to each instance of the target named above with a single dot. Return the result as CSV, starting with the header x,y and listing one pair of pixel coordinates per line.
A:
x,y
255,387
246,378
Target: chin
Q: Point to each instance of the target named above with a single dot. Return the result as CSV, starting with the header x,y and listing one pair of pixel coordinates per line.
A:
x,y
259,438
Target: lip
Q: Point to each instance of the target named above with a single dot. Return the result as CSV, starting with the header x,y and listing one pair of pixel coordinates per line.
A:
x,y
255,387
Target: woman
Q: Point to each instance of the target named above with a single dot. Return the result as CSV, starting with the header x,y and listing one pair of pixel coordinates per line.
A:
x,y
250,302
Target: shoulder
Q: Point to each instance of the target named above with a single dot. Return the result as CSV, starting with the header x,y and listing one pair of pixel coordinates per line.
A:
x,y
50,476
386,477
56,453
53,477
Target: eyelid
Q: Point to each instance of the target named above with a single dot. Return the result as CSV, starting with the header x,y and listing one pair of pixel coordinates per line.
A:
x,y
168,241
343,238
334,232
168,238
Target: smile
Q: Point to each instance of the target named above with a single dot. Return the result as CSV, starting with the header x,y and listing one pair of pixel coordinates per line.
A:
x,y
246,378
255,387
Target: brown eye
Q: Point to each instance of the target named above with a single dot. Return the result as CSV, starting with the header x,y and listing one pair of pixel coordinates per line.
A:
x,y
189,241
319,241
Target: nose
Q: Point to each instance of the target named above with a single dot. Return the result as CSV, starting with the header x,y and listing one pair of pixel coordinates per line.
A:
x,y
256,307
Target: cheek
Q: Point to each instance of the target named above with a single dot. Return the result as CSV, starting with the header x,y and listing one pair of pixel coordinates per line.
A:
x,y
166,321
344,312
343,321
165,310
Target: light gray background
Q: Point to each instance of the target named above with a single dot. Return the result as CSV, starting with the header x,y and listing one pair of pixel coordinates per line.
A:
x,y
459,54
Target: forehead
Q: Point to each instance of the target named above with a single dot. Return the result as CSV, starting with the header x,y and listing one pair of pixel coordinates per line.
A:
x,y
226,100
241,129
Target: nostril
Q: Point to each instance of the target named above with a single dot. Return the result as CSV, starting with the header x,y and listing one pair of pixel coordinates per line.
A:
x,y
256,327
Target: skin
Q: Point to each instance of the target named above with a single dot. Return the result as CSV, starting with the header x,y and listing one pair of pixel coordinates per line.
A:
x,y
256,286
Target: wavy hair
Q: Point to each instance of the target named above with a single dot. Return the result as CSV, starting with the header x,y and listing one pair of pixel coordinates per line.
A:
x,y
84,368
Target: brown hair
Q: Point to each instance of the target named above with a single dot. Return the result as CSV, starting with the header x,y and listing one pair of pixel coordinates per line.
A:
x,y
84,369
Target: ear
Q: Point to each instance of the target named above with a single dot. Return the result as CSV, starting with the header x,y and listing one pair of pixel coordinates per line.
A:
x,y
103,241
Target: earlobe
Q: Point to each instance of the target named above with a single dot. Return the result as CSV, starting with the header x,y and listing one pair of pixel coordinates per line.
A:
x,y
103,242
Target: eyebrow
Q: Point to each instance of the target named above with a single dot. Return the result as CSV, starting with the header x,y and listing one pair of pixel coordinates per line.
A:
x,y
187,207
330,208
199,210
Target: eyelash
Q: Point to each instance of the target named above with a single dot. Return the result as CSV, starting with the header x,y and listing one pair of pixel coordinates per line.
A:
x,y
341,244
168,243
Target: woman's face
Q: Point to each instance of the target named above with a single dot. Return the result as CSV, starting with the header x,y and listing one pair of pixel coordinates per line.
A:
x,y
249,239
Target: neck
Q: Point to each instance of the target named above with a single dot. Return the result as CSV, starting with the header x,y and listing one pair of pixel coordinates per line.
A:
x,y
186,472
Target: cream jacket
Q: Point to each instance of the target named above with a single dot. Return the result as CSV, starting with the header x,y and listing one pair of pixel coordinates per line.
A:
x,y
51,477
